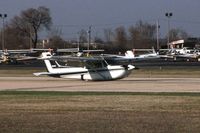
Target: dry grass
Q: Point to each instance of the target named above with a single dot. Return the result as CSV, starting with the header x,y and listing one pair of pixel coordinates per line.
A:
x,y
19,71
100,113
167,72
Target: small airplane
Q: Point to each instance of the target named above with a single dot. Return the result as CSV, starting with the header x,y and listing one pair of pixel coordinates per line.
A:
x,y
16,55
94,68
3,57
189,55
27,55
184,53
129,57
150,55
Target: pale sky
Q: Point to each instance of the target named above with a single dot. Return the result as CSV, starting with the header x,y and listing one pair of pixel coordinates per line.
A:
x,y
73,15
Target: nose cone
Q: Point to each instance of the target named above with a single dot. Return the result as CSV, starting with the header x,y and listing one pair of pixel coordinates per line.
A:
x,y
131,67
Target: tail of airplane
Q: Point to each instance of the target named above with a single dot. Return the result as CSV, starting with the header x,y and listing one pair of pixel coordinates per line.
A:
x,y
48,66
153,50
51,66
129,54
45,56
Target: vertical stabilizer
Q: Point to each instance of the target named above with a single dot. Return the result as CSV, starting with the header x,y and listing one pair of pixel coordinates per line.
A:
x,y
46,56
153,50
129,54
48,66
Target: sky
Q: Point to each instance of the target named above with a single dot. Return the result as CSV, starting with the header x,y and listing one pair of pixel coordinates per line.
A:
x,y
70,16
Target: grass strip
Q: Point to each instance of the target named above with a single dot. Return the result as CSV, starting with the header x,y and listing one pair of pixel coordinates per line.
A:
x,y
58,93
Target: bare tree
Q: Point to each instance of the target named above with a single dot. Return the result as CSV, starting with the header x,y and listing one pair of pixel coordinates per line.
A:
x,y
142,35
31,21
146,30
108,34
134,36
121,38
82,36
14,39
176,34
56,42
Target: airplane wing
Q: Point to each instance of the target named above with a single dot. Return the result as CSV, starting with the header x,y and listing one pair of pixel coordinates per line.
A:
x,y
26,58
48,74
115,59
71,58
55,74
41,73
129,55
92,51
188,56
57,50
111,59
22,51
72,50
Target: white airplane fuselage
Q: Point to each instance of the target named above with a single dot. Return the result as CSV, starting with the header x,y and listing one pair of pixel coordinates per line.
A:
x,y
109,73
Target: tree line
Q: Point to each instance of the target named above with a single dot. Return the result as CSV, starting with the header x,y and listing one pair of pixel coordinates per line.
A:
x,y
22,32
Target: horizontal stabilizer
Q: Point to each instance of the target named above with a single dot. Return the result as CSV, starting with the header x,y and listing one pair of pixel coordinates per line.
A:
x,y
42,73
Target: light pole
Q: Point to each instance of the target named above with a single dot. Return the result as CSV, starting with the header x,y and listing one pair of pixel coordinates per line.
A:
x,y
78,40
89,37
168,15
157,34
3,16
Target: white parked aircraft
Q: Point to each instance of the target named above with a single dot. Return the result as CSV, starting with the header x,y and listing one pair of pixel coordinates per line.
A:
x,y
95,68
192,55
3,57
150,55
130,57
16,55
23,55
183,53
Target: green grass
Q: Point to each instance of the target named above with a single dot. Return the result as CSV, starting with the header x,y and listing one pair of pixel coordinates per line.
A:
x,y
143,72
100,112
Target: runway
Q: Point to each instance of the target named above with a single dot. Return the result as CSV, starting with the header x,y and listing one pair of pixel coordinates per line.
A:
x,y
125,85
